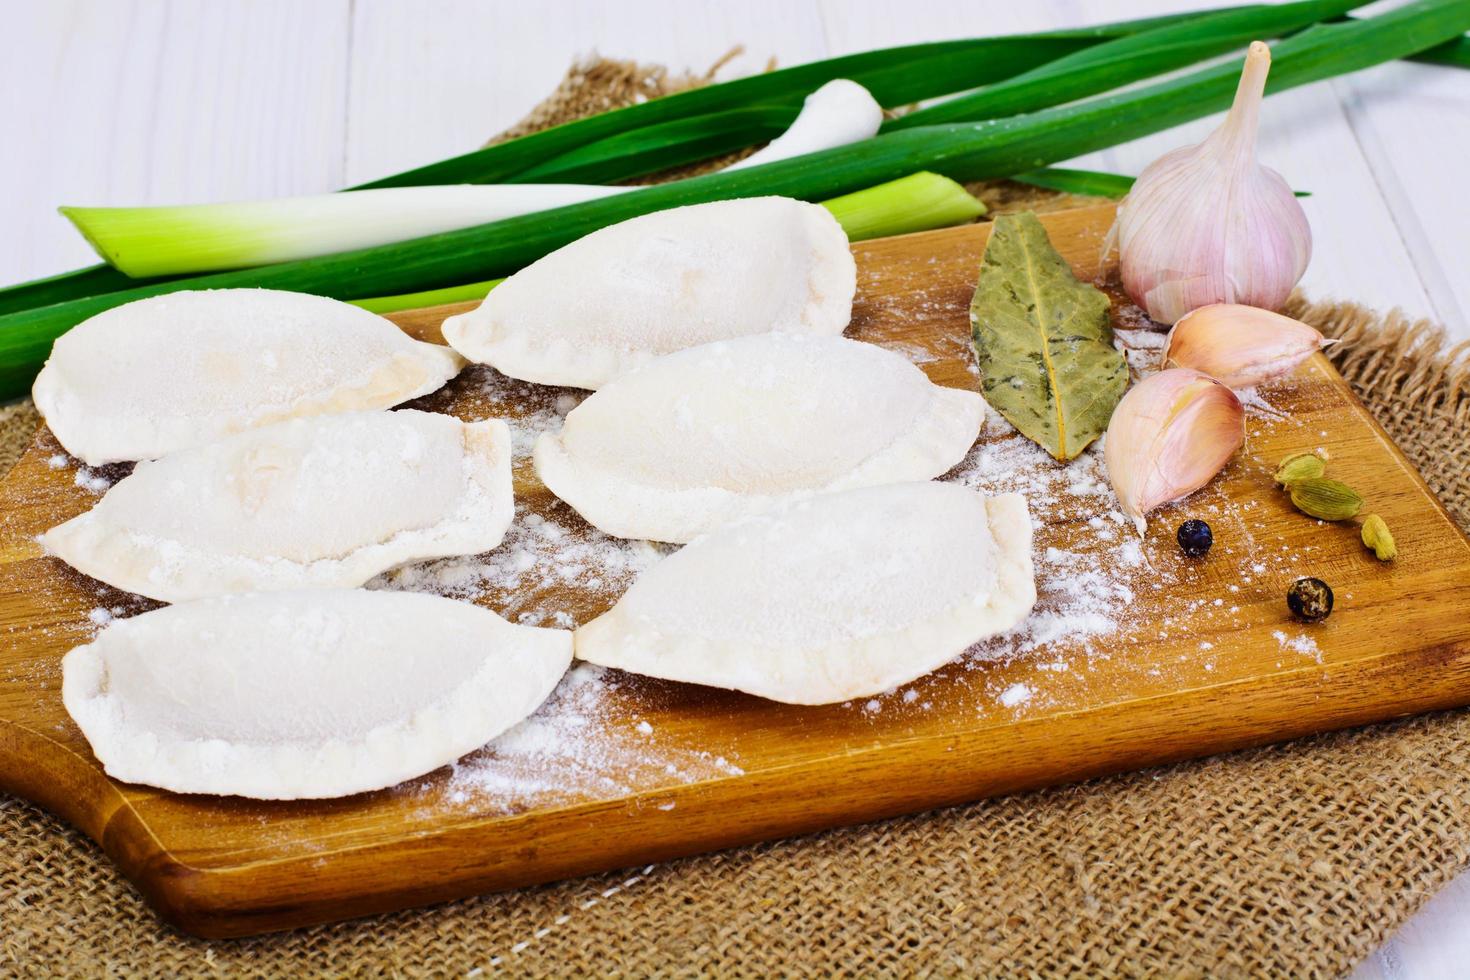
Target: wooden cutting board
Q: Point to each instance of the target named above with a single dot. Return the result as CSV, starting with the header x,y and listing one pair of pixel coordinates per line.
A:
x,y
1136,656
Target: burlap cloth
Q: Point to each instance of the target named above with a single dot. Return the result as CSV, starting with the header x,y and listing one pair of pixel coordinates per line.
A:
x,y
1296,859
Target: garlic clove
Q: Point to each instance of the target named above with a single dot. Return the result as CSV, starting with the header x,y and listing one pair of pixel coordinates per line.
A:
x,y
1169,436
1208,224
1240,346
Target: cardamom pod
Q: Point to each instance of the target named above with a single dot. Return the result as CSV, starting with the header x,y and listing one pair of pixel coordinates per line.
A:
x,y
1378,539
1326,500
1298,467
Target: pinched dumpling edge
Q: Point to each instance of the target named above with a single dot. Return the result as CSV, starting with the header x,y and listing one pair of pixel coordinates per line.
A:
x,y
855,669
531,355
111,555
615,504
490,702
404,376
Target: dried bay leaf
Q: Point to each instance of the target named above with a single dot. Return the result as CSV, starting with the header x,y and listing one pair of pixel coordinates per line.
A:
x,y
1044,341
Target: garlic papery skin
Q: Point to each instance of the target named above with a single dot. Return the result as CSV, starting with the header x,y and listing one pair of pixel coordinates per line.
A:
x,y
1169,436
1208,224
1240,346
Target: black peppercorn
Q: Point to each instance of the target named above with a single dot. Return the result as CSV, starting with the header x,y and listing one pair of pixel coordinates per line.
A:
x,y
1195,538
1309,599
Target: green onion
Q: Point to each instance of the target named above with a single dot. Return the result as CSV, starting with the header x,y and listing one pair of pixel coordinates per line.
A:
x,y
1119,62
94,280
672,144
896,76
968,151
1093,182
1455,54
468,293
918,202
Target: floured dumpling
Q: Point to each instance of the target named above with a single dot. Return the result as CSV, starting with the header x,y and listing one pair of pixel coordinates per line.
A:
x,y
304,695
179,370
661,282
322,502
699,437
839,596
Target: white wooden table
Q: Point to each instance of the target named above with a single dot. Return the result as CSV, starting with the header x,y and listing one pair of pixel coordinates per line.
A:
x,y
145,101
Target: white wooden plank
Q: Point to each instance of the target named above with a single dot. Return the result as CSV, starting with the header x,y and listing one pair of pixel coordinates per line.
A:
x,y
136,103
430,80
1412,123
1433,945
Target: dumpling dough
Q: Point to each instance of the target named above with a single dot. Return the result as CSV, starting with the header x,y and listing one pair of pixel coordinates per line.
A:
x,y
179,370
697,438
322,502
304,695
661,282
840,596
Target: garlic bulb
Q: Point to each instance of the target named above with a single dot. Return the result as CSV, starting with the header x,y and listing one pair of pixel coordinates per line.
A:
x,y
1168,437
1208,224
1240,346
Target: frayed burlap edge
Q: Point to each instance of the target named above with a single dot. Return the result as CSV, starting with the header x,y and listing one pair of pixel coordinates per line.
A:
x,y
1416,383
1295,859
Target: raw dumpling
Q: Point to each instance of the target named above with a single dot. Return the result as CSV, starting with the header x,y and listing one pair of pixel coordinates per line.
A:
x,y
322,502
304,695
699,437
182,369
661,282
839,596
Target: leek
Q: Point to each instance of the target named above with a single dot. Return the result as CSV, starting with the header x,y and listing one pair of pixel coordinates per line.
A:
x,y
160,241
918,202
970,151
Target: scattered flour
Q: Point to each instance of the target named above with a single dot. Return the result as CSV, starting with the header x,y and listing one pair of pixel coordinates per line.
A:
x,y
1016,694
90,480
1300,643
575,746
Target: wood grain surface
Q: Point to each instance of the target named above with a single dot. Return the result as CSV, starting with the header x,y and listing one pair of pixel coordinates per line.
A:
x,y
1202,665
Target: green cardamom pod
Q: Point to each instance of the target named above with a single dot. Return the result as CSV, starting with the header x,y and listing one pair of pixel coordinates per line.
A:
x,y
1326,500
1378,539
1298,467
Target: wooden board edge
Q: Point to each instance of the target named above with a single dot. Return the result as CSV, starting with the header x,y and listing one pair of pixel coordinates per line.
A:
x,y
222,902
930,773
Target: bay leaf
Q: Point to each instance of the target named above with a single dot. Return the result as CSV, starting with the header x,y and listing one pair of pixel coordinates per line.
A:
x,y
1044,341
